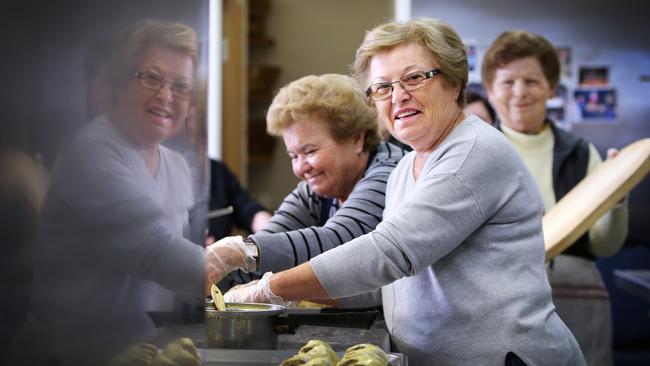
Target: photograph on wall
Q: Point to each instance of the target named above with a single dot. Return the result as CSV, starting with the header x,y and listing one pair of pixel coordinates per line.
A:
x,y
564,55
596,76
556,107
473,61
595,104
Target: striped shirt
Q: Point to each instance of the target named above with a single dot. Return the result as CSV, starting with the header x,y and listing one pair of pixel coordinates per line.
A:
x,y
306,224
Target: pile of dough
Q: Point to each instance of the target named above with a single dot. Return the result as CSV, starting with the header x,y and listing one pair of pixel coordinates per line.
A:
x,y
319,353
136,355
180,352
364,354
314,353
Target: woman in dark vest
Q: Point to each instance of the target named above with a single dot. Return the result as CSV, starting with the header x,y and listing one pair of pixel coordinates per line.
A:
x,y
520,73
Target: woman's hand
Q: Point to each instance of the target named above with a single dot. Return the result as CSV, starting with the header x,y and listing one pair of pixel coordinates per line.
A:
x,y
255,291
611,153
225,256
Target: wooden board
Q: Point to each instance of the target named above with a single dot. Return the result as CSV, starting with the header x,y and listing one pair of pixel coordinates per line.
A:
x,y
579,209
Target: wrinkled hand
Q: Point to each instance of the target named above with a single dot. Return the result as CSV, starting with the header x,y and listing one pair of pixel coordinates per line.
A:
x,y
255,291
612,152
225,256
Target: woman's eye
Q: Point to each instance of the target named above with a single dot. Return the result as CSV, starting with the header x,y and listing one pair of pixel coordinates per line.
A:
x,y
382,88
152,78
414,78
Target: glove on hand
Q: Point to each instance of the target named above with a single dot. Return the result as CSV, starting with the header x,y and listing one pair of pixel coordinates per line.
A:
x,y
227,255
255,291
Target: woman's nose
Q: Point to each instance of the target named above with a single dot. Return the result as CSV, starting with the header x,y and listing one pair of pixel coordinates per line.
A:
x,y
300,166
520,87
165,92
399,94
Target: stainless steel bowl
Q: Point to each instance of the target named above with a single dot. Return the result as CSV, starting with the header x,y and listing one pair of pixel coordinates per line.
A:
x,y
244,326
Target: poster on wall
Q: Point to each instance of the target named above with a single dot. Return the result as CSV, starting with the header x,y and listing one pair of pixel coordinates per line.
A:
x,y
594,103
564,55
473,61
556,108
594,76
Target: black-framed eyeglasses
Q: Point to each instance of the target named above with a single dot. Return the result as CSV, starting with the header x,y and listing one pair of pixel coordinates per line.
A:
x,y
155,81
409,82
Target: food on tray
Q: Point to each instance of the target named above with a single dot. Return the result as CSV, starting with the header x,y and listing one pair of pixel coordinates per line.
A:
x,y
304,360
314,353
163,360
319,353
295,360
138,354
188,346
180,352
320,361
217,298
319,349
364,354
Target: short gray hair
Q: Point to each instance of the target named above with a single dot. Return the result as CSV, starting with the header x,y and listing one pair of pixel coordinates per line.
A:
x,y
129,45
439,37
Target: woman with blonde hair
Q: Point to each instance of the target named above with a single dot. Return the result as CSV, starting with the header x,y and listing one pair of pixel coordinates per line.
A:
x,y
330,134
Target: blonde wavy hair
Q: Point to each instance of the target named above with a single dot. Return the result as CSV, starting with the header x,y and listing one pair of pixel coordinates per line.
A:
x,y
335,98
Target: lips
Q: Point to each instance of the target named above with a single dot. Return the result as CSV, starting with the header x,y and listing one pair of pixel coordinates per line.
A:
x,y
159,114
311,178
405,113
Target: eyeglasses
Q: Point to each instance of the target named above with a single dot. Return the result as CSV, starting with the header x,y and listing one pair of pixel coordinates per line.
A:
x,y
409,82
155,81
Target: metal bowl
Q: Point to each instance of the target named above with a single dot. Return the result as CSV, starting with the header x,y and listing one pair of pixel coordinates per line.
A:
x,y
244,326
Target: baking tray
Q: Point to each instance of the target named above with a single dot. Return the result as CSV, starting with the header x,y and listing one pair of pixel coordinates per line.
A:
x,y
240,357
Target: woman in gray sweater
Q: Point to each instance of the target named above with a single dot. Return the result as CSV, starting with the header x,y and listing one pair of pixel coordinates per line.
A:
x,y
459,254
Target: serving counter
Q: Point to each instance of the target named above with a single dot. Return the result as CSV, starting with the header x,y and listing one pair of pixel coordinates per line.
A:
x,y
339,338
288,344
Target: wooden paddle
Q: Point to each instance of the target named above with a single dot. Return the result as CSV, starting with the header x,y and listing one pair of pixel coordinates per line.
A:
x,y
579,209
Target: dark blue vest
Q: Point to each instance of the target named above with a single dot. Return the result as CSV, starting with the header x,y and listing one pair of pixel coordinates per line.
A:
x,y
570,160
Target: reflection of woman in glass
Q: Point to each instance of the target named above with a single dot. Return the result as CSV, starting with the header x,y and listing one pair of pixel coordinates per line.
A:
x,y
112,243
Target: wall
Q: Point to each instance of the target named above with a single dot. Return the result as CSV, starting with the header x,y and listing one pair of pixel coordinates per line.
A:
x,y
600,32
311,37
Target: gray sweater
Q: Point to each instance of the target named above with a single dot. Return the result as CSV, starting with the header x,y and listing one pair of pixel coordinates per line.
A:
x,y
460,257
111,246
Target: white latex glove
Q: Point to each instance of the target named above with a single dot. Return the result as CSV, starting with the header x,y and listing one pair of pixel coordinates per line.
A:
x,y
254,291
227,255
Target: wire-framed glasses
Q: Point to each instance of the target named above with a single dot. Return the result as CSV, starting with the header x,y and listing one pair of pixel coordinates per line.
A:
x,y
409,82
155,81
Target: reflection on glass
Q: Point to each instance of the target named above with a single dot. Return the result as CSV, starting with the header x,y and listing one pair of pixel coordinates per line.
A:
x,y
117,237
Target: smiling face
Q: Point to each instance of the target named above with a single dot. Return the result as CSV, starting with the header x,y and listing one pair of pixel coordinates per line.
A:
x,y
331,168
151,116
421,117
519,93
